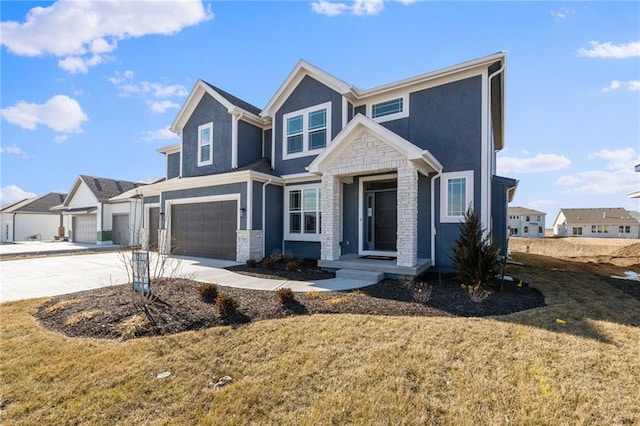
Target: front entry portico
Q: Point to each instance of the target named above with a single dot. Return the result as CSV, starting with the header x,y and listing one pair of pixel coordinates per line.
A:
x,y
365,149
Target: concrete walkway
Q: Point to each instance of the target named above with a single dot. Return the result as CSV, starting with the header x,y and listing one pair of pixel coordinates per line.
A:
x,y
33,277
38,248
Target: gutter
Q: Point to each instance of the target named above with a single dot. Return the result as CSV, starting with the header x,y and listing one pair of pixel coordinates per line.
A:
x,y
433,216
264,217
491,152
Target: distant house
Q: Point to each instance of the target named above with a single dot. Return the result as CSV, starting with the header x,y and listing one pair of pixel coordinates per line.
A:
x,y
524,222
31,218
90,217
635,194
596,222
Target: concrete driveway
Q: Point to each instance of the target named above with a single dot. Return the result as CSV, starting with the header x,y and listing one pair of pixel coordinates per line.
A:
x,y
53,275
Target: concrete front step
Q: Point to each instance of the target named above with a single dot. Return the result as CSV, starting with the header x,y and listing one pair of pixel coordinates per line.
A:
x,y
359,274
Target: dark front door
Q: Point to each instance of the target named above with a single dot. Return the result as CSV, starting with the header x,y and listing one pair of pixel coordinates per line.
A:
x,y
381,218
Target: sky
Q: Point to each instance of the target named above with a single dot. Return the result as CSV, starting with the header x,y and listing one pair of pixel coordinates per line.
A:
x,y
91,87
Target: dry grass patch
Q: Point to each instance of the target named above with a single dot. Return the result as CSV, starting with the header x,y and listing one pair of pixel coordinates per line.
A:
x,y
61,304
83,316
523,368
133,326
337,301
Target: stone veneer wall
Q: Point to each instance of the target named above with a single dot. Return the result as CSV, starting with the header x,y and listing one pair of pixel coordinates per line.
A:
x,y
249,245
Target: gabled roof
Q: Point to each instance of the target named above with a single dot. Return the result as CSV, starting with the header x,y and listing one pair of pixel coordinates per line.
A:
x,y
102,188
518,211
40,204
422,159
599,216
302,69
232,103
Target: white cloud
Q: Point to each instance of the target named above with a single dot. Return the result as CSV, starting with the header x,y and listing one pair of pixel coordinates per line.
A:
x,y
540,203
616,177
160,134
563,13
537,164
610,50
60,113
120,78
60,138
82,32
357,7
160,107
13,150
12,193
631,85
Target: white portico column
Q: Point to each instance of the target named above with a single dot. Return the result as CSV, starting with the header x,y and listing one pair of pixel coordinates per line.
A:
x,y
407,243
330,238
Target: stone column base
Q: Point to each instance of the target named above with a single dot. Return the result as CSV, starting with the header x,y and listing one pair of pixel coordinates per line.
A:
x,y
249,245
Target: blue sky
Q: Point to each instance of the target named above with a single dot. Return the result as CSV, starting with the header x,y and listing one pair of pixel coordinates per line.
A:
x,y
91,87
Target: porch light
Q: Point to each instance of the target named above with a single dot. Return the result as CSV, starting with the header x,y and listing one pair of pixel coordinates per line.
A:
x,y
242,212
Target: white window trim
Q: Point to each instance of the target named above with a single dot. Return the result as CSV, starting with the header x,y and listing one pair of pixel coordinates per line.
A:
x,y
402,114
305,131
444,194
210,161
288,236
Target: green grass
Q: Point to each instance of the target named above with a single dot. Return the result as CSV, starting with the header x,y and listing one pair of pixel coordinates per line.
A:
x,y
524,368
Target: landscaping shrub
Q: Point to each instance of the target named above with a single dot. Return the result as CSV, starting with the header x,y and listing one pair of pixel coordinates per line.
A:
x,y
292,265
268,263
208,292
475,258
227,306
251,263
285,295
420,290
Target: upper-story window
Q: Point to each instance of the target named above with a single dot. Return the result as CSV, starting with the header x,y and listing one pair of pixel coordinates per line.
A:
x,y
389,109
306,131
205,144
456,194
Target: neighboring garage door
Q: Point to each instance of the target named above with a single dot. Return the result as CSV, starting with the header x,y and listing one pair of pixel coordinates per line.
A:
x,y
204,229
154,220
120,231
84,228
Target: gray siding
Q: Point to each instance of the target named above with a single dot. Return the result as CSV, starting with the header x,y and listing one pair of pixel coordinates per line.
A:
x,y
362,109
274,221
308,93
173,165
207,111
257,205
350,217
307,249
249,143
499,206
232,188
424,217
266,151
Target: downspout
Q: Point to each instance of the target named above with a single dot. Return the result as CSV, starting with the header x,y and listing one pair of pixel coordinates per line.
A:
x,y
433,217
264,217
13,229
491,152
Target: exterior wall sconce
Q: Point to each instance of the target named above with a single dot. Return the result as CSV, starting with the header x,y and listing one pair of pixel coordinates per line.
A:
x,y
242,212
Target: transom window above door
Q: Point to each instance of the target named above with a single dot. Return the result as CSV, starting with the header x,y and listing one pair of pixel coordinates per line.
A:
x,y
306,131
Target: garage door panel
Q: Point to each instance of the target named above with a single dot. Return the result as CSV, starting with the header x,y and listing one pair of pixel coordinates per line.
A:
x,y
120,229
84,228
204,229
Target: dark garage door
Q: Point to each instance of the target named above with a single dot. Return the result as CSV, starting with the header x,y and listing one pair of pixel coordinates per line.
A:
x,y
120,229
204,229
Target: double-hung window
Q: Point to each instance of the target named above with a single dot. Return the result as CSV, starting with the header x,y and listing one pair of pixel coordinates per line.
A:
x,y
306,131
302,206
205,144
456,194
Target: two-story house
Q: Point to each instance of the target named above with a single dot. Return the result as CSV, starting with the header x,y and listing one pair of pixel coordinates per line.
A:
x,y
374,178
524,222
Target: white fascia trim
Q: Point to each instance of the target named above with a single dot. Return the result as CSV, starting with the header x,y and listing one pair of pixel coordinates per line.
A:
x,y
306,151
379,99
361,182
302,69
444,192
299,177
169,149
302,236
212,198
210,160
345,112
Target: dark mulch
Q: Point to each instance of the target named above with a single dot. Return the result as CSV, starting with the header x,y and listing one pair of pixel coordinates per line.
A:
x,y
307,270
179,307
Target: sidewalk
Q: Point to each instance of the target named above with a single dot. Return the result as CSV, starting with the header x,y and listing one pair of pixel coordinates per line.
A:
x,y
33,277
38,248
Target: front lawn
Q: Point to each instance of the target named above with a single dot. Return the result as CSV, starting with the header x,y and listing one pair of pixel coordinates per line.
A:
x,y
574,361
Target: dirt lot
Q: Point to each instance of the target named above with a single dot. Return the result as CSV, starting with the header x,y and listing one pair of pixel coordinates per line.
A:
x,y
620,252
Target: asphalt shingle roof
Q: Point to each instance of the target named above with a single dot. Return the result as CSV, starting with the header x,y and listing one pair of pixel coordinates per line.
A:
x,y
236,101
104,188
603,216
517,211
40,204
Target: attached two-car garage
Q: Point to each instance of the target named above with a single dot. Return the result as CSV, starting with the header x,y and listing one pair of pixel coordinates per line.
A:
x,y
205,229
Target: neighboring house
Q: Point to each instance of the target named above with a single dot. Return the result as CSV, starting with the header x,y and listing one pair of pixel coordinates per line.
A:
x,y
329,171
90,216
596,222
524,222
635,194
31,218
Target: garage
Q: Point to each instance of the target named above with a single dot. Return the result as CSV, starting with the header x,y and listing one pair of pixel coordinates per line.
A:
x,y
84,228
120,232
205,229
154,220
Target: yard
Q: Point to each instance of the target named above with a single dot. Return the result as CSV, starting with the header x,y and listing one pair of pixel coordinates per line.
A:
x,y
574,361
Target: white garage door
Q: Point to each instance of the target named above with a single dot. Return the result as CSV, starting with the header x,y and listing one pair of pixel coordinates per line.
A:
x,y
84,228
120,230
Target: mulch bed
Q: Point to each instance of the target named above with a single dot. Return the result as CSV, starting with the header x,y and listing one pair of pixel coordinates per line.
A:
x,y
101,313
307,270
